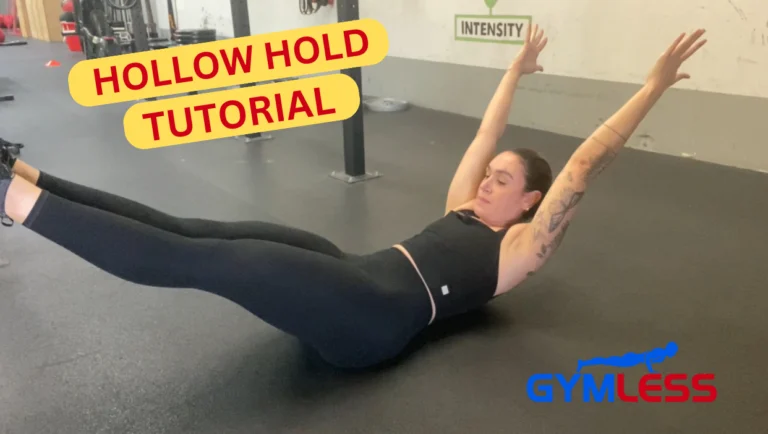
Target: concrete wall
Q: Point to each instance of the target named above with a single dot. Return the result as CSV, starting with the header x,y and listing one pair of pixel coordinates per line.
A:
x,y
265,15
598,56
709,126
195,14
595,39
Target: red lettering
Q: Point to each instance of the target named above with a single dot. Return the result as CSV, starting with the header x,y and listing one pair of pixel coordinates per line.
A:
x,y
153,118
156,76
142,71
348,42
214,63
238,57
283,52
172,120
320,110
327,46
177,72
697,379
645,387
315,50
263,110
682,388
223,114
298,97
279,104
100,80
206,108
620,390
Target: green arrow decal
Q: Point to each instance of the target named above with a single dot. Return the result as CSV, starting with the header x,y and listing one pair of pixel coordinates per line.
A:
x,y
490,4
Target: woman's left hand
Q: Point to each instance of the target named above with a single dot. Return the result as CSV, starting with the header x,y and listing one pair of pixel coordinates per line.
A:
x,y
665,72
526,61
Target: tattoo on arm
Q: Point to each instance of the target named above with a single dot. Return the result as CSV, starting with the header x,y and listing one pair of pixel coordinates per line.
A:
x,y
556,241
558,210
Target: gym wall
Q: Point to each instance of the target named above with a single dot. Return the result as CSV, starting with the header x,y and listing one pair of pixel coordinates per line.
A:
x,y
265,15
598,56
194,14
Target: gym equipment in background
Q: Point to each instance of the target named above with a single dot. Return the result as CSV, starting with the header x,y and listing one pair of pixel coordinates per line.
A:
x,y
194,36
353,127
98,37
9,20
309,7
106,27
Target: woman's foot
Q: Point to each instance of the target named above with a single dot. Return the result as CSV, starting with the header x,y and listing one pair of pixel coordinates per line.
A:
x,y
18,196
9,152
6,174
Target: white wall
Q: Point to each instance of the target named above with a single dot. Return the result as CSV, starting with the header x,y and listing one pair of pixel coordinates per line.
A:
x,y
265,15
196,14
615,40
276,15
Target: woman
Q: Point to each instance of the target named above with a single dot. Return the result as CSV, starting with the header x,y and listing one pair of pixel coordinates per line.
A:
x,y
503,221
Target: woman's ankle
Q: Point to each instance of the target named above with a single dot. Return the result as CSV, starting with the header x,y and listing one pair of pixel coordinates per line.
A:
x,y
26,171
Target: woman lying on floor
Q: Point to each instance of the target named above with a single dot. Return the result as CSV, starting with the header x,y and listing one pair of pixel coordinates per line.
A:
x,y
503,221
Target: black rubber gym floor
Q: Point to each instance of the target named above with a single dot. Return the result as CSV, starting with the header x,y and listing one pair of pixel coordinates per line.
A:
x,y
663,249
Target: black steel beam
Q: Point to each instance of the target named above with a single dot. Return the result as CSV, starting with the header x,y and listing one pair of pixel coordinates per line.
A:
x,y
140,36
353,128
241,25
241,21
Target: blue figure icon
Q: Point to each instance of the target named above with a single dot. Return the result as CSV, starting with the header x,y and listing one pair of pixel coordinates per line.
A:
x,y
628,360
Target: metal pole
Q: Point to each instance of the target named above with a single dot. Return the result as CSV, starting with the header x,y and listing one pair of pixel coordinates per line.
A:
x,y
241,23
140,37
353,128
84,45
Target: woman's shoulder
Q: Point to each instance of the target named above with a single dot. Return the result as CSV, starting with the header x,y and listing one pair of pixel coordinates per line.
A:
x,y
463,208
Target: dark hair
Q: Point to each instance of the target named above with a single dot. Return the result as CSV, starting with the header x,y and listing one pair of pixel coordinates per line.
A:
x,y
538,175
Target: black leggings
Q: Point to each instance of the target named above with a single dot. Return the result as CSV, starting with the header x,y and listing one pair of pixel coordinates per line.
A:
x,y
355,310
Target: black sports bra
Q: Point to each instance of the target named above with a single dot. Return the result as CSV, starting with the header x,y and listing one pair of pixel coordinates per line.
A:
x,y
458,257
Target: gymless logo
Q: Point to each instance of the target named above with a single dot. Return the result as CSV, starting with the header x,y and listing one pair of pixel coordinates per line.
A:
x,y
652,387
501,29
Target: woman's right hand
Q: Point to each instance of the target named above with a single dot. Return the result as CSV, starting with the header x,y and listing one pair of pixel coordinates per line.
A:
x,y
665,72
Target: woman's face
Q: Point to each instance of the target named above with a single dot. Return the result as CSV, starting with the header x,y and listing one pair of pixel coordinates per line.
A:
x,y
501,197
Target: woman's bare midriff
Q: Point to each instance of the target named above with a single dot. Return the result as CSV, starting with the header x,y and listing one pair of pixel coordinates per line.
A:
x,y
426,287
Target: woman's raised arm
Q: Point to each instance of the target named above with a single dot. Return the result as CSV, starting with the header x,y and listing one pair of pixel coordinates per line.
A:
x,y
481,151
534,245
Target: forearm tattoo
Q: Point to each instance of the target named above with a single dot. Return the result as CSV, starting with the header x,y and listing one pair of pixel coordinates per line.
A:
x,y
558,209
556,241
